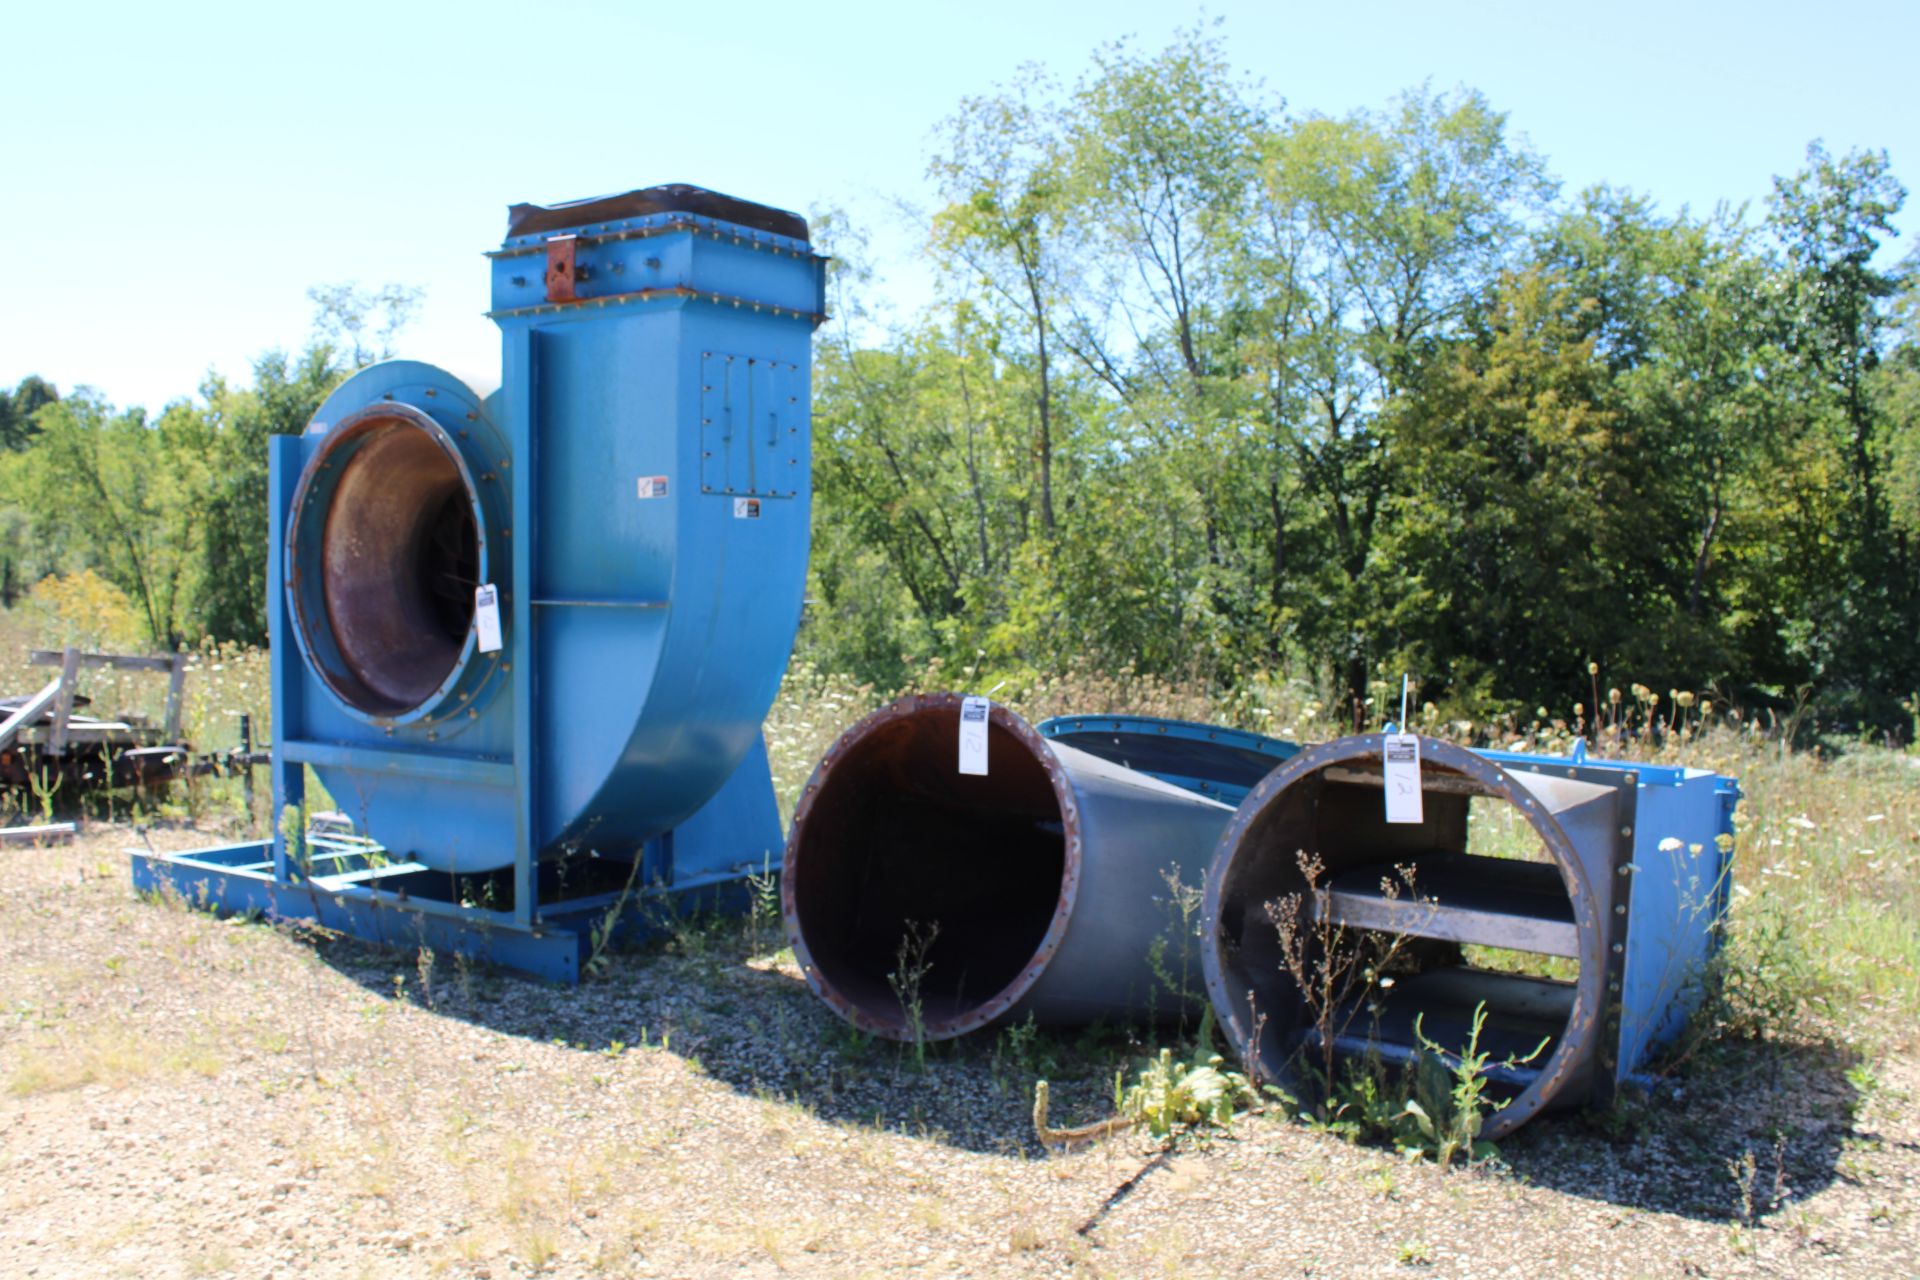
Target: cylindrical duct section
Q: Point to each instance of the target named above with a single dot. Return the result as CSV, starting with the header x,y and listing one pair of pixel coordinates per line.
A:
x,y
1042,884
1310,865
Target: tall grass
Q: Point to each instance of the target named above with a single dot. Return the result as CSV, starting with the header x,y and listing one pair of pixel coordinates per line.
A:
x,y
1825,918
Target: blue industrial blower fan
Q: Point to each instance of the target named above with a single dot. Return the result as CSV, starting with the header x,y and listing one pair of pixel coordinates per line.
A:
x,y
526,642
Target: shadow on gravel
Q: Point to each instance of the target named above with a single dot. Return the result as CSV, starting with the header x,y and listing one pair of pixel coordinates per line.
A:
x,y
715,997
1754,1127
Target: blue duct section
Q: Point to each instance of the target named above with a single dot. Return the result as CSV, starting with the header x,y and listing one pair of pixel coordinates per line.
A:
x,y
1214,761
1678,879
547,625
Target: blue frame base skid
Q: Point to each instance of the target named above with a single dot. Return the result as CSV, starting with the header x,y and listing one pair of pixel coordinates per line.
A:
x,y
238,879
536,917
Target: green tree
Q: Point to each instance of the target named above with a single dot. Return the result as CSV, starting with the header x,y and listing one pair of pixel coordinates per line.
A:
x,y
1162,152
23,560
1208,389
1005,231
1509,545
230,597
1898,391
361,324
118,492
1680,313
18,408
1830,220
1395,227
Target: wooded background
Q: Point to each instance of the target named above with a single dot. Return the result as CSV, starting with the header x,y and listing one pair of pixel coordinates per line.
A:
x,y
1224,391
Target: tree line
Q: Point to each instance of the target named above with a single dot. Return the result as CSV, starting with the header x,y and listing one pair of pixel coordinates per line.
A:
x,y
1221,391
1214,389
171,509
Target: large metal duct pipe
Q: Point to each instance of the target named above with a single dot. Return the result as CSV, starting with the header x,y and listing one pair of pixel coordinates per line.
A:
x,y
1046,877
1327,804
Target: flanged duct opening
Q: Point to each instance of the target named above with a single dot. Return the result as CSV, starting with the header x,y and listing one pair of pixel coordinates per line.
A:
x,y
385,591
892,845
1335,927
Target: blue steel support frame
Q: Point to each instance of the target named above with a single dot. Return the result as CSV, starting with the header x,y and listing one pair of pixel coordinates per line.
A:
x,y
289,775
231,879
519,370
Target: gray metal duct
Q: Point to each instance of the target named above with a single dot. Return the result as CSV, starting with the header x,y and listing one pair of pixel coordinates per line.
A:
x,y
1046,876
1328,802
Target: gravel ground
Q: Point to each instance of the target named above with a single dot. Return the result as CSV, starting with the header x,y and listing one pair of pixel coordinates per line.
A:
x,y
181,1096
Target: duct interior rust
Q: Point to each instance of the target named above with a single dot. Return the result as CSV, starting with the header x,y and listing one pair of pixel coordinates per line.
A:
x,y
896,834
399,561
1343,823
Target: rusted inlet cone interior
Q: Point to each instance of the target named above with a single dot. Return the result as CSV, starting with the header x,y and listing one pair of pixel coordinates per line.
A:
x,y
1333,925
908,880
384,571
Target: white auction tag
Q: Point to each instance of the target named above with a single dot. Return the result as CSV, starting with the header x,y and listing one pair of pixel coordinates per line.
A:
x,y
486,617
1401,762
973,736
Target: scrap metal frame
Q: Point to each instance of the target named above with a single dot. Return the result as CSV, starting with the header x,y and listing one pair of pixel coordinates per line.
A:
x,y
59,693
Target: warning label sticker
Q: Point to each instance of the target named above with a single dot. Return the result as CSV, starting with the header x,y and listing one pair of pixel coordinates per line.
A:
x,y
653,486
746,508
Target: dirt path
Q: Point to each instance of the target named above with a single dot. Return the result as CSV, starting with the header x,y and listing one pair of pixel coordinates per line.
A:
x,y
185,1097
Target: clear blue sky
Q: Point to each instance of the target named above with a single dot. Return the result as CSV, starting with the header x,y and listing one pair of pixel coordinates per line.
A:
x,y
176,176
